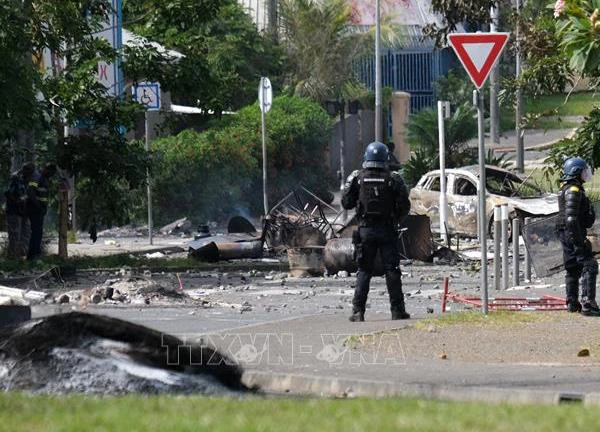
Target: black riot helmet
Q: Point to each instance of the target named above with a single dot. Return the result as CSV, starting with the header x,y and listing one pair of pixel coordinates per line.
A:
x,y
376,155
576,167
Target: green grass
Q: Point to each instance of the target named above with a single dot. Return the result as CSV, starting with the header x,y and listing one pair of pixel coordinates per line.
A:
x,y
134,413
494,318
133,261
578,104
536,176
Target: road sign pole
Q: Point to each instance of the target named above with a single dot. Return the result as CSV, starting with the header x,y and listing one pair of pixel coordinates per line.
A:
x,y
442,148
478,52
494,79
264,150
482,204
265,99
148,179
378,104
520,162
148,95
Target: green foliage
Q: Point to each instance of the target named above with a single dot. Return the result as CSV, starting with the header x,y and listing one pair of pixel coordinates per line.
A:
x,y
216,173
224,54
455,13
422,136
455,87
502,160
545,66
579,32
321,46
585,144
419,163
36,103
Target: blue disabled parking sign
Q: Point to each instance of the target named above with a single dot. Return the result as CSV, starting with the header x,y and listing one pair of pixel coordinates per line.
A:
x,y
148,94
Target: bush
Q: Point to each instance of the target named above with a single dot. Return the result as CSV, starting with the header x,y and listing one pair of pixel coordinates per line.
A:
x,y
216,173
585,144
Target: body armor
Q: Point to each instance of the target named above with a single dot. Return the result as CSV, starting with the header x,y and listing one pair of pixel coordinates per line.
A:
x,y
376,195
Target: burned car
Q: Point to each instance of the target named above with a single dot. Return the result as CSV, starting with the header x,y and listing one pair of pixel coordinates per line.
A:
x,y
502,187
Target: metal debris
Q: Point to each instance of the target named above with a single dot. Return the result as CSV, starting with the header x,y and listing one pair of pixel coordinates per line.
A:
x,y
180,226
300,219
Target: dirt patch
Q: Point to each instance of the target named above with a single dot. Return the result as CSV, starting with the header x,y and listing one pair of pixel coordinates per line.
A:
x,y
556,337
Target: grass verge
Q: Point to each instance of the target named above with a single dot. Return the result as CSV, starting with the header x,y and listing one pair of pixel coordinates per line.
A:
x,y
578,104
493,318
135,261
138,413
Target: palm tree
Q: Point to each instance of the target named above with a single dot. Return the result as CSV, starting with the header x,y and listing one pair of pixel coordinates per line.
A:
x,y
321,46
422,136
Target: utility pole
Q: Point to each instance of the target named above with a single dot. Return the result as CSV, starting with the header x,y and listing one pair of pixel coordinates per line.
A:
x,y
378,125
494,77
519,99
273,16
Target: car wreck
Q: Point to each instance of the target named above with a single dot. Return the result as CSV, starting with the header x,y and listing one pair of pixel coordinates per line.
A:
x,y
523,198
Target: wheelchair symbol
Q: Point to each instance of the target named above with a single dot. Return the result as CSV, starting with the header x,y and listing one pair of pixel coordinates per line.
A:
x,y
146,99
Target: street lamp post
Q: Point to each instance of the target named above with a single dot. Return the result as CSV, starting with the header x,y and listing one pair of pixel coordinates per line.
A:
x,y
378,125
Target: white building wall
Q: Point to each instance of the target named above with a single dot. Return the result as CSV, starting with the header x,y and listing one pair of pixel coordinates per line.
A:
x,y
257,9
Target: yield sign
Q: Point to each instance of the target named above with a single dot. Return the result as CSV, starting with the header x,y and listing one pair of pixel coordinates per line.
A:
x,y
478,52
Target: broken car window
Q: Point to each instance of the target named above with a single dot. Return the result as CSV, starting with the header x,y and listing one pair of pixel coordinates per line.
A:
x,y
509,185
465,187
435,184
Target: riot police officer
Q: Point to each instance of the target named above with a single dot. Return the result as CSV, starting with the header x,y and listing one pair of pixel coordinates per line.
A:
x,y
576,214
381,200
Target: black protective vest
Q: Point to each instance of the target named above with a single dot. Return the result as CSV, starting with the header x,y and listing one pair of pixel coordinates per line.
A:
x,y
376,196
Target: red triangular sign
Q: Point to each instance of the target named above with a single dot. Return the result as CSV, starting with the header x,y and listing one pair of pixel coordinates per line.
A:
x,y
478,52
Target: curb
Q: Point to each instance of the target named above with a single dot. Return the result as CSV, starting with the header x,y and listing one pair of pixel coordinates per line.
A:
x,y
308,385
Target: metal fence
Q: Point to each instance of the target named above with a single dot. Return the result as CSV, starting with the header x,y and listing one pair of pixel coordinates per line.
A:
x,y
544,247
411,70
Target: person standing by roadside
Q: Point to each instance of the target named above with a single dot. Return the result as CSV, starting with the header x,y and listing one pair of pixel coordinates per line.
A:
x,y
393,162
17,220
37,206
575,215
381,201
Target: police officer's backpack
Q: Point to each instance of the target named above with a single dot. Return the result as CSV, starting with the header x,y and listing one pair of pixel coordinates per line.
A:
x,y
376,195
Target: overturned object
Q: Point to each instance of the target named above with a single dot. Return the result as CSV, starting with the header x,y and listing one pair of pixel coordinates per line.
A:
x,y
338,255
88,353
415,241
178,227
300,219
306,261
231,246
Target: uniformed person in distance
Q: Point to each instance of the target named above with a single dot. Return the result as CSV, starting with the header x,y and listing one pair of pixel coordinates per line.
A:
x,y
381,200
576,214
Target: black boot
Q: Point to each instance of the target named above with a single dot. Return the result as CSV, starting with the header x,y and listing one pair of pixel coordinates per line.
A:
x,y
589,308
400,314
573,305
357,316
394,285
572,288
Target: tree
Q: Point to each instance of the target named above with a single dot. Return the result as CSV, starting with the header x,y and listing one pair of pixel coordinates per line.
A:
x,y
579,33
216,173
224,55
67,93
422,136
322,46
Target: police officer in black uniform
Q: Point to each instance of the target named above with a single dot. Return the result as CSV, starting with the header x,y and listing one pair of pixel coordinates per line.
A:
x,y
381,199
576,214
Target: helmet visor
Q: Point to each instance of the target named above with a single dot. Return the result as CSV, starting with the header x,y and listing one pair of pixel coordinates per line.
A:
x,y
586,174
